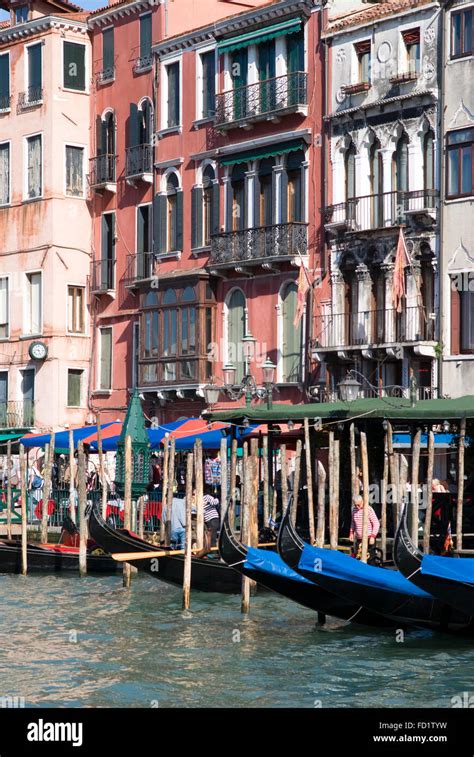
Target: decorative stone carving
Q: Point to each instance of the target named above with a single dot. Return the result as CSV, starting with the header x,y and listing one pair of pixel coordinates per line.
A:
x,y
340,56
384,52
429,35
462,117
340,95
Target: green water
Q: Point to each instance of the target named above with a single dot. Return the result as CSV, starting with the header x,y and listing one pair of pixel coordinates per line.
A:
x,y
76,643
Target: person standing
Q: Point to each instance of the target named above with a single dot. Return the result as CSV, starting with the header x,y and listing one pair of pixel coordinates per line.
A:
x,y
178,517
211,515
355,533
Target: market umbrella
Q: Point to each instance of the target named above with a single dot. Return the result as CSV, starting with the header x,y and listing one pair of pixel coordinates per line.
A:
x,y
61,439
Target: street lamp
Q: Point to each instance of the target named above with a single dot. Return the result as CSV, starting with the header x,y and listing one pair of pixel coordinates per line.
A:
x,y
229,371
211,393
349,389
248,347
268,371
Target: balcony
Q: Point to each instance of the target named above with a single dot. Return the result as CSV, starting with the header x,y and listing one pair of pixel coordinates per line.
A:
x,y
142,63
356,89
139,163
103,276
106,75
379,211
264,245
102,175
373,328
31,98
17,414
265,100
140,267
323,393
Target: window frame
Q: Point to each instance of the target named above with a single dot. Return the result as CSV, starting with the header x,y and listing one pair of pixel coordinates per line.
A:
x,y
81,404
164,93
27,304
84,172
25,167
27,46
359,55
200,115
5,54
461,12
7,276
407,51
69,331
99,388
143,15
8,142
109,28
24,6
84,91
458,147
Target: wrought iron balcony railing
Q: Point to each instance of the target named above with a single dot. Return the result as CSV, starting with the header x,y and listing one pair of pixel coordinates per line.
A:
x,y
263,243
31,97
17,414
374,328
139,160
328,394
380,210
106,75
103,275
140,266
102,170
143,63
254,101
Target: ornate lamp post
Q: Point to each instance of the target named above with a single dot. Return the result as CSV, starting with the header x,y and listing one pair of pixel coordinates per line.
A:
x,y
134,426
349,389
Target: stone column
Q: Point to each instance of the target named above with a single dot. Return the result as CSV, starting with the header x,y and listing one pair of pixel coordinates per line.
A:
x,y
336,328
389,203
362,321
387,269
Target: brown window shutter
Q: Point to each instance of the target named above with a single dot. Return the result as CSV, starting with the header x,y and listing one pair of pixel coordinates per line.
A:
x,y
362,47
455,318
411,37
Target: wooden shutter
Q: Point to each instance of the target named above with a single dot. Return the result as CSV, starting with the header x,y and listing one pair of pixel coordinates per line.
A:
x,y
455,320
4,79
108,54
179,219
159,224
295,52
145,35
74,66
34,65
196,217
215,214
132,126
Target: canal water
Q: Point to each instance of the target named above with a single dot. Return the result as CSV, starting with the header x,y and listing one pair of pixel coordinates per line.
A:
x,y
66,641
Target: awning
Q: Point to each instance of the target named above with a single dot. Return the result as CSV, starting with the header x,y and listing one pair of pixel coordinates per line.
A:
x,y
61,439
12,436
442,441
269,151
260,35
363,409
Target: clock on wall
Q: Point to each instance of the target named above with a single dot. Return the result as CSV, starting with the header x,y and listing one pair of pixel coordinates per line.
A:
x,y
38,351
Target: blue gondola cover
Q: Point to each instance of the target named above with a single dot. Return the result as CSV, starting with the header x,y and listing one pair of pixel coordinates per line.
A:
x,y
452,568
271,562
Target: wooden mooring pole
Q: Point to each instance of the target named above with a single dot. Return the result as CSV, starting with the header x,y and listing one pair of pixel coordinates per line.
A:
x,y
266,483
199,494
82,494
23,485
460,498
415,478
72,478
244,524
321,524
284,478
296,480
127,502
365,495
383,500
164,488
309,480
9,489
223,457
352,447
429,494
188,535
394,478
48,468
102,476
170,487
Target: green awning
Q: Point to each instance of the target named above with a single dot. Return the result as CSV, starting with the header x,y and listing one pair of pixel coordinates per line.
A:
x,y
12,436
261,35
258,153
379,408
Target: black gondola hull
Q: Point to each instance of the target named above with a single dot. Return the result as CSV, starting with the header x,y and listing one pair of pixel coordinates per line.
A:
x,y
43,560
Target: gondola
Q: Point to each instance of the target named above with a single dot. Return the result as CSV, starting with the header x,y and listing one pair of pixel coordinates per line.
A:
x,y
449,579
380,590
269,570
207,574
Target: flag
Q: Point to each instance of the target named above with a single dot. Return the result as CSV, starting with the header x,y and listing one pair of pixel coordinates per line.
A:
x,y
398,284
448,542
304,283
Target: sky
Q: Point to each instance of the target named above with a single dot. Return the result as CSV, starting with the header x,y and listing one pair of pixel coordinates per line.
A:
x,y
86,4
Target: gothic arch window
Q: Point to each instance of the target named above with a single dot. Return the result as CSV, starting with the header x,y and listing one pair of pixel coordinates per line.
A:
x,y
236,328
428,161
172,186
238,197
400,165
208,222
265,197
350,167
295,191
145,122
376,183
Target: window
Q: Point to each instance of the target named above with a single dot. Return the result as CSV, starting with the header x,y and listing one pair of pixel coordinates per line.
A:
x,y
4,81
144,243
205,209
428,160
33,304
460,146
168,217
108,251
237,221
4,308
362,50
145,36
74,171
411,39
290,336
462,316
238,71
236,329
34,72
462,42
136,353
27,386
74,66
295,196
172,212
208,84
4,173
265,177
75,310
376,184
105,358
34,178
74,387
108,52
350,164
21,14
172,78
400,165
207,200
3,397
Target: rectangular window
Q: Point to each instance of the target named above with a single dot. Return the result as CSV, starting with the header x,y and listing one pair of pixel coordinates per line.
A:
x,y
34,71
75,310
4,324
363,56
74,387
145,36
136,353
21,14
144,228
105,359
462,30
208,67
34,182
5,173
74,66
4,81
460,148
108,251
33,303
108,53
172,75
74,171
467,322
27,386
411,39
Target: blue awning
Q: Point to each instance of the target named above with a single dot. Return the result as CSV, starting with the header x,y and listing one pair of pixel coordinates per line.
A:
x,y
260,35
441,440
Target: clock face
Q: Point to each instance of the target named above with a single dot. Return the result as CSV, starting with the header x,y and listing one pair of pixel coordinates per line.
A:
x,y
38,351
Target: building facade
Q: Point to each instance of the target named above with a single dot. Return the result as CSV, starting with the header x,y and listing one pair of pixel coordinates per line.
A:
x,y
45,329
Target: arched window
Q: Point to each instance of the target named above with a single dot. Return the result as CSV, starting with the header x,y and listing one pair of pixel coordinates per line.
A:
x,y
238,197
172,212
428,160
290,347
295,193
207,192
400,165
169,297
236,327
145,123
108,140
106,148
265,178
376,184
350,172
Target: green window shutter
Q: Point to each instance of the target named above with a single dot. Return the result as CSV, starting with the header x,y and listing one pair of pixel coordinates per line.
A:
x,y
132,126
145,36
291,347
236,331
284,196
35,78
4,79
108,54
74,380
208,61
196,217
105,358
74,66
215,216
179,219
159,224
173,94
295,52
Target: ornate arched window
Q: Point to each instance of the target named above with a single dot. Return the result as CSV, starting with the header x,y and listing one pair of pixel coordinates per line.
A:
x,y
145,122
238,197
350,166
428,161
290,344
208,177
400,165
172,186
236,328
295,192
265,180
376,184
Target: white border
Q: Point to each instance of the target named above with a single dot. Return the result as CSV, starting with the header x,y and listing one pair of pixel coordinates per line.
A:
x,y
82,393
84,304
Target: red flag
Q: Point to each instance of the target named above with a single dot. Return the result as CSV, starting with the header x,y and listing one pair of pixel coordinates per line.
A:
x,y
401,261
304,284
